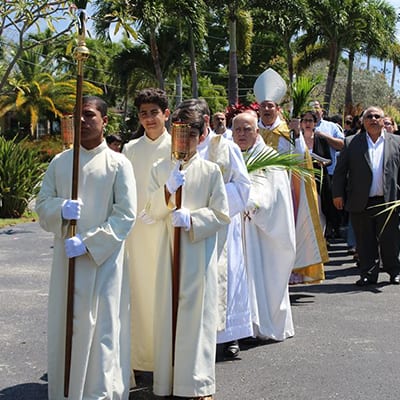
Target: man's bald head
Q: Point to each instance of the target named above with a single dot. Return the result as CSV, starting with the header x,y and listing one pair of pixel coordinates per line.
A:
x,y
245,130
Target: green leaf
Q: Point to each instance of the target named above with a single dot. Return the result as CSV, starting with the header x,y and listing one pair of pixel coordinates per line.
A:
x,y
272,159
21,171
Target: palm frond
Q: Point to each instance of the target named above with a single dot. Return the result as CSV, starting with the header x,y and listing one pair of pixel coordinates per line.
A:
x,y
271,159
389,207
301,91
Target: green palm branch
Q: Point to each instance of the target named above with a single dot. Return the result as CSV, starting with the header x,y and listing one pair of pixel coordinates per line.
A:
x,y
389,207
302,88
271,159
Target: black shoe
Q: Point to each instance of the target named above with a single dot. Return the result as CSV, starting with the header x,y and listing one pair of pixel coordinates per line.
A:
x,y
231,349
395,279
351,251
365,282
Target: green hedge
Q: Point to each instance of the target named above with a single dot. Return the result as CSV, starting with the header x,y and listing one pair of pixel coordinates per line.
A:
x,y
21,171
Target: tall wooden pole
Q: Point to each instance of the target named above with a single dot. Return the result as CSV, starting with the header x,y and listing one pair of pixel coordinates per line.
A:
x,y
81,54
176,266
180,134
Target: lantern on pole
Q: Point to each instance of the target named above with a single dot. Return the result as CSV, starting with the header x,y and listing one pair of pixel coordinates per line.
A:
x,y
180,135
67,131
180,150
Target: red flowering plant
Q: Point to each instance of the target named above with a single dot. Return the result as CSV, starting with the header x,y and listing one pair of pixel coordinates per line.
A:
x,y
238,108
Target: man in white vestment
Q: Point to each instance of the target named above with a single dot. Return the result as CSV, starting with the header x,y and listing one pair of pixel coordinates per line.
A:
x,y
234,308
152,107
190,370
270,89
105,213
219,125
269,238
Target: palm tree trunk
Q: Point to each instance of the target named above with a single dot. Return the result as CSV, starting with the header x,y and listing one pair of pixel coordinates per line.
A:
x,y
289,59
332,72
156,60
193,66
348,101
126,98
233,90
178,89
10,66
393,75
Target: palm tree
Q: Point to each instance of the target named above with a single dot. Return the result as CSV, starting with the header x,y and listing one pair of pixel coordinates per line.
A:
x,y
193,15
149,16
240,28
395,56
235,15
337,30
35,94
355,38
331,30
286,18
381,18
373,28
20,18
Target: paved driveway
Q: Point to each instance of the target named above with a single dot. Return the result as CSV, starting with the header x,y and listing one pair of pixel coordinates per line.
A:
x,y
346,347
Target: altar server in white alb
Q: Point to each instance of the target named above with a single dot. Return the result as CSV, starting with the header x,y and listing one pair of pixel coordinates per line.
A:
x,y
203,213
105,213
234,309
269,238
152,108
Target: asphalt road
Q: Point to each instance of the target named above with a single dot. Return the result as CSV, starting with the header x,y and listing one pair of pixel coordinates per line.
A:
x,y
346,347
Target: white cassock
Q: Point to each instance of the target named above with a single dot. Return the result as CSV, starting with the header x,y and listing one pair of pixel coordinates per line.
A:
x,y
193,373
270,250
100,365
234,307
140,250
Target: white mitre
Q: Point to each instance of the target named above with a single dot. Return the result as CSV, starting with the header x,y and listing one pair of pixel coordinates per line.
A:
x,y
270,86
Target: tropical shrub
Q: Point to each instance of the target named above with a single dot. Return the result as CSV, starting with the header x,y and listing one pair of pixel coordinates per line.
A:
x,y
21,171
47,147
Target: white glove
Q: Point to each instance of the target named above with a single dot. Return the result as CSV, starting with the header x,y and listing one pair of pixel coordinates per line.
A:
x,y
146,219
176,179
74,246
71,209
181,218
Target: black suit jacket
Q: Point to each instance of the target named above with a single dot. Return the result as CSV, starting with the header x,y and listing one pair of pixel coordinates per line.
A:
x,y
353,174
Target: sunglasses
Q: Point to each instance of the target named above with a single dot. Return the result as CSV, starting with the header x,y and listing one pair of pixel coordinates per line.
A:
x,y
370,116
387,123
307,120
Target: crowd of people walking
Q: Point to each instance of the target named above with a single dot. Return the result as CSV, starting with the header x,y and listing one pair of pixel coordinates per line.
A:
x,y
241,238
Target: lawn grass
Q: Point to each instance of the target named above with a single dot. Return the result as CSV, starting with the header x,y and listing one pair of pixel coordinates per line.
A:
x,y
29,216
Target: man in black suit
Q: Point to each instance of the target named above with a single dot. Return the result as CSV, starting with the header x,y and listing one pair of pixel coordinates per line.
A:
x,y
366,177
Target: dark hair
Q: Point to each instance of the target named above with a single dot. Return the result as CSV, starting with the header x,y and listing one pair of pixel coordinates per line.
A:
x,y
337,119
189,115
113,138
200,104
314,115
152,95
101,105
